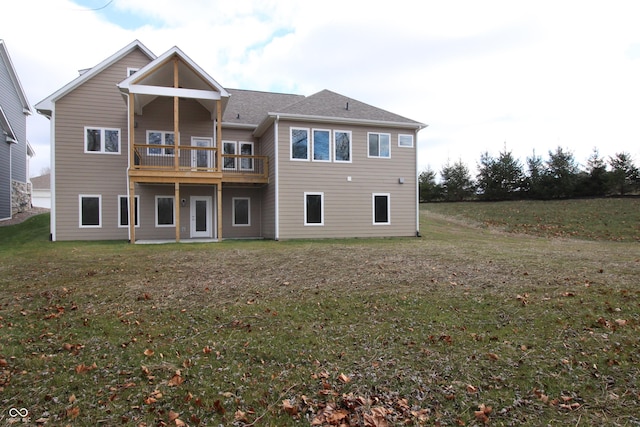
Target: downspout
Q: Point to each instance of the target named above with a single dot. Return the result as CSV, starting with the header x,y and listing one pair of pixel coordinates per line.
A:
x,y
275,172
128,167
52,185
417,186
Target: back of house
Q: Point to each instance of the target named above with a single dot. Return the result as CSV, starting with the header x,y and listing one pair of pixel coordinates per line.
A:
x,y
152,148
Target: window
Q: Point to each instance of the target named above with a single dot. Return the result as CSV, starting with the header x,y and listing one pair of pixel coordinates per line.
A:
x,y
165,211
123,211
322,145
405,140
381,209
228,153
241,212
313,208
101,140
90,211
160,138
299,144
379,145
342,145
246,149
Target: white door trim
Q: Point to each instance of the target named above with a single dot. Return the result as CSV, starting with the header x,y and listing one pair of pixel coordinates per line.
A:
x,y
207,234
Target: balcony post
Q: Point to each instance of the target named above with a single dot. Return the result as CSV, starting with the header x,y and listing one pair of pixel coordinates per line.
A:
x,y
176,117
132,211
176,204
218,135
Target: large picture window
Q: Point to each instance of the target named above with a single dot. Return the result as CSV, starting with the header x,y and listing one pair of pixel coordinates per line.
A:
x,y
342,145
101,140
241,211
90,211
299,144
379,145
123,211
313,208
322,145
160,138
165,211
381,209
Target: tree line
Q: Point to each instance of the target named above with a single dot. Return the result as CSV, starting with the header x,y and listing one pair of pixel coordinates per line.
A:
x,y
559,176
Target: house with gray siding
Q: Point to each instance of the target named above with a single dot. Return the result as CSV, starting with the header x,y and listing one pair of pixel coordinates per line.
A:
x,y
15,193
152,148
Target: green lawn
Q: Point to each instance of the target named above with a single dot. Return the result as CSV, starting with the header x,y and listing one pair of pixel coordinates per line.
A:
x,y
595,219
464,325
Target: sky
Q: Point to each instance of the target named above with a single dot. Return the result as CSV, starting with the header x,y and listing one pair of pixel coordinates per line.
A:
x,y
485,76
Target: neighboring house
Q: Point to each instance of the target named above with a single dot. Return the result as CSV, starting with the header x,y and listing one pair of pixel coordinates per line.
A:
x,y
152,148
15,194
41,191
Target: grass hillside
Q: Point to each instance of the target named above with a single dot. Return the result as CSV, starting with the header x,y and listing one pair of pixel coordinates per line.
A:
x,y
464,326
594,219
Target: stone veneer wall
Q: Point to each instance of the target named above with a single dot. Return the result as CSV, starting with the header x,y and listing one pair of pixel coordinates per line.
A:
x,y
20,197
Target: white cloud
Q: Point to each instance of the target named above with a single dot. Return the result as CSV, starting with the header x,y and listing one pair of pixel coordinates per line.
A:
x,y
536,74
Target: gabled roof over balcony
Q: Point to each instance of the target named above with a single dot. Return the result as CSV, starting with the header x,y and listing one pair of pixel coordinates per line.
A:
x,y
174,74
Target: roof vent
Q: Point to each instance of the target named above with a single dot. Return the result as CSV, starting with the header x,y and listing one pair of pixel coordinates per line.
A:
x,y
238,116
347,107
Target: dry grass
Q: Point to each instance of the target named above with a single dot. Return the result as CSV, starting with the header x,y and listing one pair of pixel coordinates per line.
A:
x,y
359,332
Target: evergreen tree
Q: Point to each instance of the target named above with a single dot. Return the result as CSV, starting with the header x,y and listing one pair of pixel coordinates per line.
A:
x,y
501,178
595,181
624,175
535,176
561,174
457,184
430,190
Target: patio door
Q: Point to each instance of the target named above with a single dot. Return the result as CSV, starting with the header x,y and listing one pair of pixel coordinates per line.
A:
x,y
201,159
201,214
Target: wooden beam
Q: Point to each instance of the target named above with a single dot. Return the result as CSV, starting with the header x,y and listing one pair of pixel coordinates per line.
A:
x,y
132,211
219,135
219,215
176,117
177,207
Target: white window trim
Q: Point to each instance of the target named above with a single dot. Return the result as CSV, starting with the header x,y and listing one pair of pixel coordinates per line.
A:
x,y
233,211
291,144
102,140
335,158
373,208
163,147
405,135
314,193
313,143
239,153
156,211
235,153
120,197
378,156
82,196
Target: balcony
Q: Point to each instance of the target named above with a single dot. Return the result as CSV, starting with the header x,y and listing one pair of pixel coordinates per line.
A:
x,y
161,163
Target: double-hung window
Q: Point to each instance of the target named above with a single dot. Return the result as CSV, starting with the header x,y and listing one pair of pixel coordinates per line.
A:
x,y
123,211
101,140
379,145
160,138
90,211
321,145
342,145
381,209
313,208
299,144
165,211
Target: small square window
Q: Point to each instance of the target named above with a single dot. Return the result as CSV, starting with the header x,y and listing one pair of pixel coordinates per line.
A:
x,y
405,140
